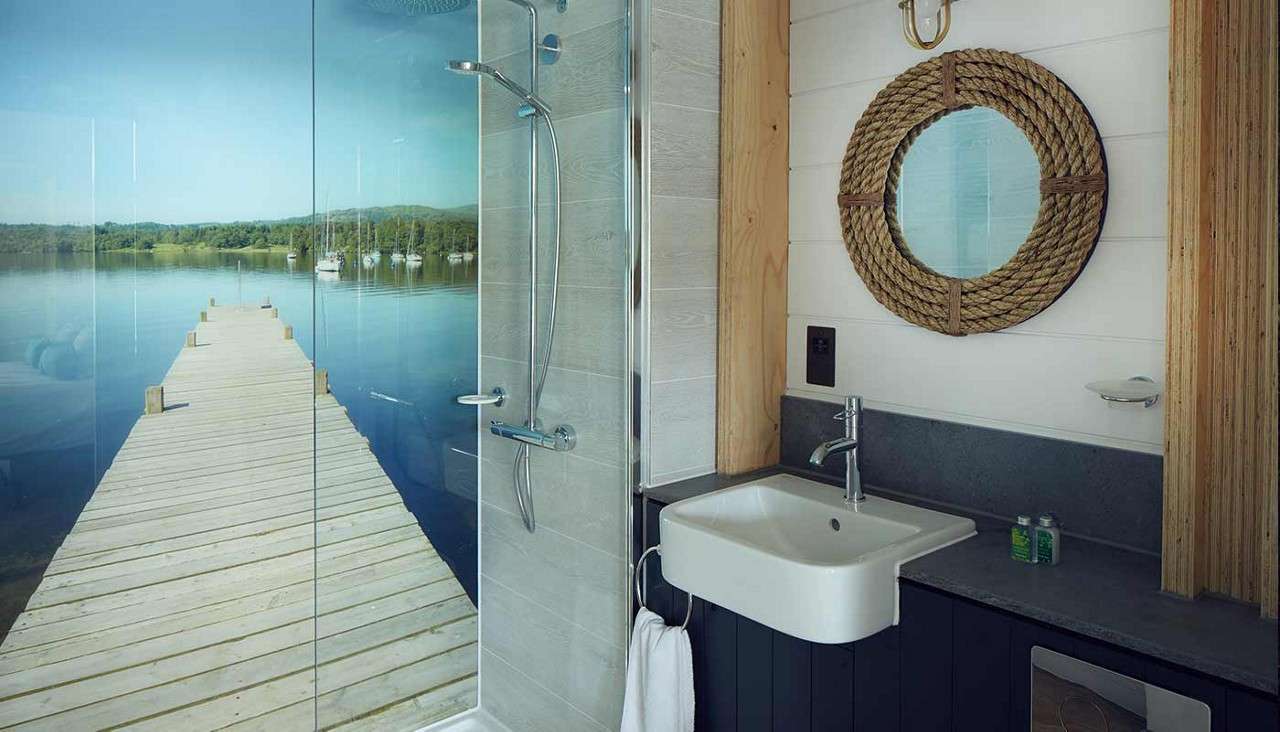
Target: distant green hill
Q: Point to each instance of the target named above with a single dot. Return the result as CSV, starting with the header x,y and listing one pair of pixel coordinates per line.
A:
x,y
423,229
378,214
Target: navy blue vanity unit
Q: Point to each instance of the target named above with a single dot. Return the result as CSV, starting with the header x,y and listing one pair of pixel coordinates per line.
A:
x,y
960,658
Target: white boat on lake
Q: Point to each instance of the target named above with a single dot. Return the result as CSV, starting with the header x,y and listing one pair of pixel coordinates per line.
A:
x,y
329,264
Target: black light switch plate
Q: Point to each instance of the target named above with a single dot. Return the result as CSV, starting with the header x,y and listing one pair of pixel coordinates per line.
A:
x,y
820,360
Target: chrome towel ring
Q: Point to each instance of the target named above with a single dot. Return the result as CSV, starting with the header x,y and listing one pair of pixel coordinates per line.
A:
x,y
640,590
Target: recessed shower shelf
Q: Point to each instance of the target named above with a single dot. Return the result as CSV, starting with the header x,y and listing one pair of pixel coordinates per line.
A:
x,y
1135,390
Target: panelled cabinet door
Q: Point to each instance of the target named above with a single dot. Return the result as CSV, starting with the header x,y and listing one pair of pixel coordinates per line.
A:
x,y
925,638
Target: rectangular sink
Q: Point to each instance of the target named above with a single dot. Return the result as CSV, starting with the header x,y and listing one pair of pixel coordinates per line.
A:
x,y
789,553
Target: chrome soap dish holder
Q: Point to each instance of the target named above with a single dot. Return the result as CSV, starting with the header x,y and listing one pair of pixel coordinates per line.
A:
x,y
1134,390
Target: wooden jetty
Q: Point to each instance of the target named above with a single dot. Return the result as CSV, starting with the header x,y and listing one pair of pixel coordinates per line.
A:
x,y
245,563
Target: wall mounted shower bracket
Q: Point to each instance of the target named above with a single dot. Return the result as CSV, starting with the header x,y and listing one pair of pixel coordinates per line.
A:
x,y
549,49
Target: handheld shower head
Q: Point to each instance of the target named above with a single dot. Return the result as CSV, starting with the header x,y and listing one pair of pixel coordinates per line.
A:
x,y
470,68
475,68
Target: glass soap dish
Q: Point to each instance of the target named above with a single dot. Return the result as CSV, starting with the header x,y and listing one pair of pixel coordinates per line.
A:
x,y
1135,390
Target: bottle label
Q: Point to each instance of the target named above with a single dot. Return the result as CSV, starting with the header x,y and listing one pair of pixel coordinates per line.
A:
x,y
1021,548
1044,546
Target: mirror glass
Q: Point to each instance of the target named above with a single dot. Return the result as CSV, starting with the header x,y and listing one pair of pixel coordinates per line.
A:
x,y
969,193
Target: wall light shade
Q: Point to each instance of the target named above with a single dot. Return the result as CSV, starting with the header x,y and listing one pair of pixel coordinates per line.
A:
x,y
925,19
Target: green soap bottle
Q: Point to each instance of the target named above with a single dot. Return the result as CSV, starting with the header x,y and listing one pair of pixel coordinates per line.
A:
x,y
1048,540
1023,541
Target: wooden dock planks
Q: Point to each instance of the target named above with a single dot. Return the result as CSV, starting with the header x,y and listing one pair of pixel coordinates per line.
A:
x,y
245,562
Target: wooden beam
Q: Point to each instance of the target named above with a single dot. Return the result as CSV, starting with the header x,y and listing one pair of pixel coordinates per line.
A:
x,y
754,112
1221,407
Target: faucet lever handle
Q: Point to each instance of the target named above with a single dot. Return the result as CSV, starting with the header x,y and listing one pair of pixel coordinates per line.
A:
x,y
842,415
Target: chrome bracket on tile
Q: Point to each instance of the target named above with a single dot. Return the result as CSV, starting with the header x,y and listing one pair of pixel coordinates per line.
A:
x,y
549,50
496,397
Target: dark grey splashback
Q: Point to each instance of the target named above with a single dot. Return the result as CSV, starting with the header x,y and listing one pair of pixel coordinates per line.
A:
x,y
1100,492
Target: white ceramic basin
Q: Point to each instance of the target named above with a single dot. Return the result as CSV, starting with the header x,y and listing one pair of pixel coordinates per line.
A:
x,y
771,550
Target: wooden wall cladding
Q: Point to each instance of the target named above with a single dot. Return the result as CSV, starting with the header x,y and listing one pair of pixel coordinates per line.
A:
x,y
754,117
1221,435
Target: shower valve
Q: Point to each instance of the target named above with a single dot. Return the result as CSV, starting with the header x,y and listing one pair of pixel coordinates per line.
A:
x,y
561,439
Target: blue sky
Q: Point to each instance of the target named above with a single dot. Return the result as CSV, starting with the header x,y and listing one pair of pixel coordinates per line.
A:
x,y
193,111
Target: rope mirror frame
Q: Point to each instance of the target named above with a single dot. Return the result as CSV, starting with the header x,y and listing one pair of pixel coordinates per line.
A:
x,y
1073,191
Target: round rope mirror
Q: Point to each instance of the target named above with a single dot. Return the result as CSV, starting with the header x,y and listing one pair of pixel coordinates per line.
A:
x,y
1073,182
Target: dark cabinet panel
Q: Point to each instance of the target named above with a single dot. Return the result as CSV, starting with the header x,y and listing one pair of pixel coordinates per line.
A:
x,y
832,688
925,658
755,676
792,682
1247,711
980,668
717,707
876,688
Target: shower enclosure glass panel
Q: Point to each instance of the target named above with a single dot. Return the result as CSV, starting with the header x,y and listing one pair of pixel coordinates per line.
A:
x,y
554,601
396,194
157,507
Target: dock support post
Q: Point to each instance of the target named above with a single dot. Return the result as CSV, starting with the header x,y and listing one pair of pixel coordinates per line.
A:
x,y
154,400
288,332
191,339
204,316
322,381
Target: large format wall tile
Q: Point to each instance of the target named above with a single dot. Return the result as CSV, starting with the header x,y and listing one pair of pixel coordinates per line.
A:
x,y
575,664
588,78
685,64
522,704
593,244
585,585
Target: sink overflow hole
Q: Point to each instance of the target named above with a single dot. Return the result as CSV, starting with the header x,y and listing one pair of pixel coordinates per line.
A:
x,y
835,525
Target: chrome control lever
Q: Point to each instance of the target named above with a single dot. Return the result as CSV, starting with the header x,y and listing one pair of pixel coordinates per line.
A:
x,y
495,397
561,439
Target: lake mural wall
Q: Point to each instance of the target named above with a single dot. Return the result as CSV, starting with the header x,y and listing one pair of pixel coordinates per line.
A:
x,y
152,158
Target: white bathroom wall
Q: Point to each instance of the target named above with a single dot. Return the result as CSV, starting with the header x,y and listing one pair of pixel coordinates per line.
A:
x,y
1109,324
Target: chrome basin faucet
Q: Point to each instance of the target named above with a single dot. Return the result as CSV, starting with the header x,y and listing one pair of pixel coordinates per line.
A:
x,y
852,416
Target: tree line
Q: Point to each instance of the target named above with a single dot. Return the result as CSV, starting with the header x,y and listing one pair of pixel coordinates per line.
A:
x,y
419,229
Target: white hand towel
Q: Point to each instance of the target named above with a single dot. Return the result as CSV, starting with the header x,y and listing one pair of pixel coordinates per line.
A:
x,y
659,678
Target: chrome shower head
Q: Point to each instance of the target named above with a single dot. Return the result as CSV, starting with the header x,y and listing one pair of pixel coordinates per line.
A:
x,y
475,68
416,7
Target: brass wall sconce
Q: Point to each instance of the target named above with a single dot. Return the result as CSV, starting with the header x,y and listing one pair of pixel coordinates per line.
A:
x,y
937,17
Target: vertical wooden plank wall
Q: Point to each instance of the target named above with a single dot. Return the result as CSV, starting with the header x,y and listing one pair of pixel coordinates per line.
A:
x,y
752,355
1221,409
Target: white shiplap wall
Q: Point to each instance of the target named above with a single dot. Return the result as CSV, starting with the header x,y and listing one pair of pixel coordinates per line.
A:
x,y
1109,324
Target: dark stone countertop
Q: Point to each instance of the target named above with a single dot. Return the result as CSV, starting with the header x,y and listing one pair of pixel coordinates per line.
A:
x,y
1098,591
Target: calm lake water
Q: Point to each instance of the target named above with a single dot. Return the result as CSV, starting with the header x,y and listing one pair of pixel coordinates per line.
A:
x,y
399,343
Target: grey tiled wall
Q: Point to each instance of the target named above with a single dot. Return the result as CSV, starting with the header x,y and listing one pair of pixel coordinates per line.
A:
x,y
684,91
553,603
